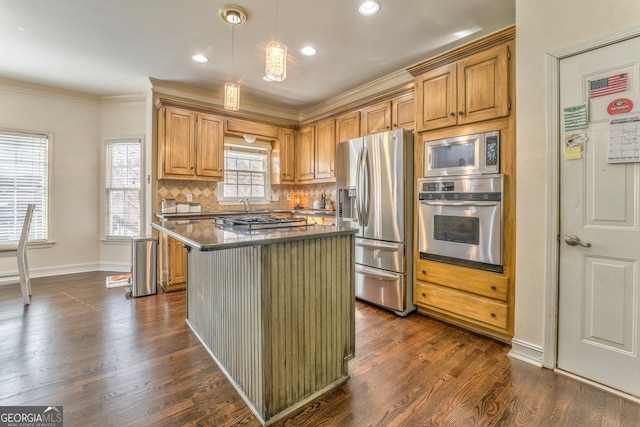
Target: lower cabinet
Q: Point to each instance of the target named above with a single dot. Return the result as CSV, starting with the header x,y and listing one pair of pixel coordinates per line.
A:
x,y
172,264
476,299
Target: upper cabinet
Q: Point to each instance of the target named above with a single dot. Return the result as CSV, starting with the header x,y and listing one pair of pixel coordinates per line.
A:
x,y
287,156
472,89
396,113
348,126
325,149
376,118
190,145
305,150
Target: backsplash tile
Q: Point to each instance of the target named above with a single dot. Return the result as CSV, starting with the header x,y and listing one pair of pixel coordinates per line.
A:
x,y
204,192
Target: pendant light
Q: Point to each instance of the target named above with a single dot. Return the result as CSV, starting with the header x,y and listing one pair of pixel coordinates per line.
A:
x,y
233,15
276,63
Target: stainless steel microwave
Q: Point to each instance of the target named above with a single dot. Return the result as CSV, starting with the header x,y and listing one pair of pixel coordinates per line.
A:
x,y
476,154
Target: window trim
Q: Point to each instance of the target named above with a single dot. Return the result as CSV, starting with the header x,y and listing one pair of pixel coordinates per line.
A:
x,y
103,184
255,147
49,239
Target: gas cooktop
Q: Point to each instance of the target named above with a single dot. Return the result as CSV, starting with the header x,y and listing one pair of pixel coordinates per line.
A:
x,y
258,222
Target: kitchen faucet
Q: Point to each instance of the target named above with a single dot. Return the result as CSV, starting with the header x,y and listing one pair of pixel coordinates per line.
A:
x,y
245,202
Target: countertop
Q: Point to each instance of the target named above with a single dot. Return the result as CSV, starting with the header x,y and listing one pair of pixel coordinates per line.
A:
x,y
212,214
204,235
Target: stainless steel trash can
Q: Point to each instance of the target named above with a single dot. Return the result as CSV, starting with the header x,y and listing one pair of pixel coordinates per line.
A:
x,y
143,265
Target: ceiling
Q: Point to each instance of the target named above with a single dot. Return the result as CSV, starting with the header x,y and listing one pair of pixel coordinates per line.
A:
x,y
110,48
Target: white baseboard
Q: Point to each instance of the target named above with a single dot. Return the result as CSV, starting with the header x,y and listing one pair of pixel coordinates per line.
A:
x,y
526,352
11,277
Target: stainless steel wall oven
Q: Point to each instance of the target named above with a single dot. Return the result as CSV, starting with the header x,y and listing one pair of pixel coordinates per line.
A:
x,y
460,220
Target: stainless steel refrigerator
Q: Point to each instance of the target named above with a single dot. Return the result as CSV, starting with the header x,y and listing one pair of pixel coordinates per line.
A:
x,y
374,188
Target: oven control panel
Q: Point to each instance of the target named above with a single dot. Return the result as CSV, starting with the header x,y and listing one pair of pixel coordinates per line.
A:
x,y
438,186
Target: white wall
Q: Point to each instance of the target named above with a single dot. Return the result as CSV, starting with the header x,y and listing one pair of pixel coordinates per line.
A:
x,y
541,27
74,122
120,117
79,124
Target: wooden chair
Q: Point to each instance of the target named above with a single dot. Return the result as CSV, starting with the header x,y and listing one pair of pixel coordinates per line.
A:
x,y
18,249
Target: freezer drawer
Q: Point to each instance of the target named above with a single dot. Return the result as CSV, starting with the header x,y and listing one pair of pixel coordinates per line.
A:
x,y
381,287
379,254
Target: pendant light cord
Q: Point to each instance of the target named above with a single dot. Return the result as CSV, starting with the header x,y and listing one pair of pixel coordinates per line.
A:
x,y
276,21
233,27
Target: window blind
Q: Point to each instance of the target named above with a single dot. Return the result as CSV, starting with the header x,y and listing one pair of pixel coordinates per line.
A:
x,y
24,179
123,187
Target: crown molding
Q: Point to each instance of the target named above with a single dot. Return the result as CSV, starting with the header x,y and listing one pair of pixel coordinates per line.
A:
x,y
124,99
375,87
214,98
36,89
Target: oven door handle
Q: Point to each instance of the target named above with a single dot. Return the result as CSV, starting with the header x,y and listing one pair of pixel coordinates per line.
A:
x,y
448,203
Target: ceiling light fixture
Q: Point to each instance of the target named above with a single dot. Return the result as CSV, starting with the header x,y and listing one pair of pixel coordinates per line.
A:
x,y
369,8
308,51
200,58
233,15
276,53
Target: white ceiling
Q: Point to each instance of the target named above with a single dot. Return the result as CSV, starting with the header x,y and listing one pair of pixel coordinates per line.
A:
x,y
112,47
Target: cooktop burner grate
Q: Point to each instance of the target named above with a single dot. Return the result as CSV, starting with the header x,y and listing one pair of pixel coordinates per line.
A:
x,y
259,222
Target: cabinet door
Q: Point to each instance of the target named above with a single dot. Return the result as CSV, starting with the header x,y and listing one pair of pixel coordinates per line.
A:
x,y
306,151
179,142
348,126
483,85
210,146
325,149
436,103
287,155
376,118
177,262
403,112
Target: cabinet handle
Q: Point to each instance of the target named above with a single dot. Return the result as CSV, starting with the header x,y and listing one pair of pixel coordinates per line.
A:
x,y
493,315
493,288
460,113
424,295
424,271
386,127
452,114
191,167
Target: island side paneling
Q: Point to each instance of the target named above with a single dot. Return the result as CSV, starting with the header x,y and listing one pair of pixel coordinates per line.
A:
x,y
278,318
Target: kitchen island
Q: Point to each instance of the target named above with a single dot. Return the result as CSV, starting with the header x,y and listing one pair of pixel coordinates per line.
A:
x,y
275,308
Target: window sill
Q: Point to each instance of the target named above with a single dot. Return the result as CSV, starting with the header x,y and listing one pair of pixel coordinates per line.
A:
x,y
119,241
238,203
40,245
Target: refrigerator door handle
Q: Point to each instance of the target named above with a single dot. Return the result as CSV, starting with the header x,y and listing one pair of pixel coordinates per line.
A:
x,y
367,187
359,188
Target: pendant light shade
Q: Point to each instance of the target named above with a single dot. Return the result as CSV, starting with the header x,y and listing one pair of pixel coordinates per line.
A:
x,y
276,53
231,96
276,67
233,15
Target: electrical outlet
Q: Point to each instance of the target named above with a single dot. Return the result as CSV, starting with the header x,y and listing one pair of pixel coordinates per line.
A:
x,y
288,197
189,197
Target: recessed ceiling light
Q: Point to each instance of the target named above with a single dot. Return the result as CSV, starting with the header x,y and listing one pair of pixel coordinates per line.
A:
x,y
200,58
308,51
232,14
369,8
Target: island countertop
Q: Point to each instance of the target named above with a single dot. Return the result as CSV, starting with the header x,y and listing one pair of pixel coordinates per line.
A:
x,y
204,235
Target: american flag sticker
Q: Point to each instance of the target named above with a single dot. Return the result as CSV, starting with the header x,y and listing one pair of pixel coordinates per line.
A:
x,y
608,85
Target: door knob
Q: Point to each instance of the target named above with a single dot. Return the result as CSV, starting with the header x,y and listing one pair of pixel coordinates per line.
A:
x,y
573,240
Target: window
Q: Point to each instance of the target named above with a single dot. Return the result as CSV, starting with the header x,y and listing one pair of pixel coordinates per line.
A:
x,y
123,182
246,173
24,179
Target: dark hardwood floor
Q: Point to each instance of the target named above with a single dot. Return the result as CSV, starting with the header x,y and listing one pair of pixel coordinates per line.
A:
x,y
113,361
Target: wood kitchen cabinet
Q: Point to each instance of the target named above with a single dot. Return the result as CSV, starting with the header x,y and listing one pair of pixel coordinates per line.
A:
x,y
287,146
325,149
348,126
396,113
172,264
305,149
472,89
190,145
465,296
376,118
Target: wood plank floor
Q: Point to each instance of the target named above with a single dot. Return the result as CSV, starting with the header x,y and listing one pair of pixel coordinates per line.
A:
x,y
113,361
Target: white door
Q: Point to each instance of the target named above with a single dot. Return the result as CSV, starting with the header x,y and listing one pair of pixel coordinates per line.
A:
x,y
599,301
